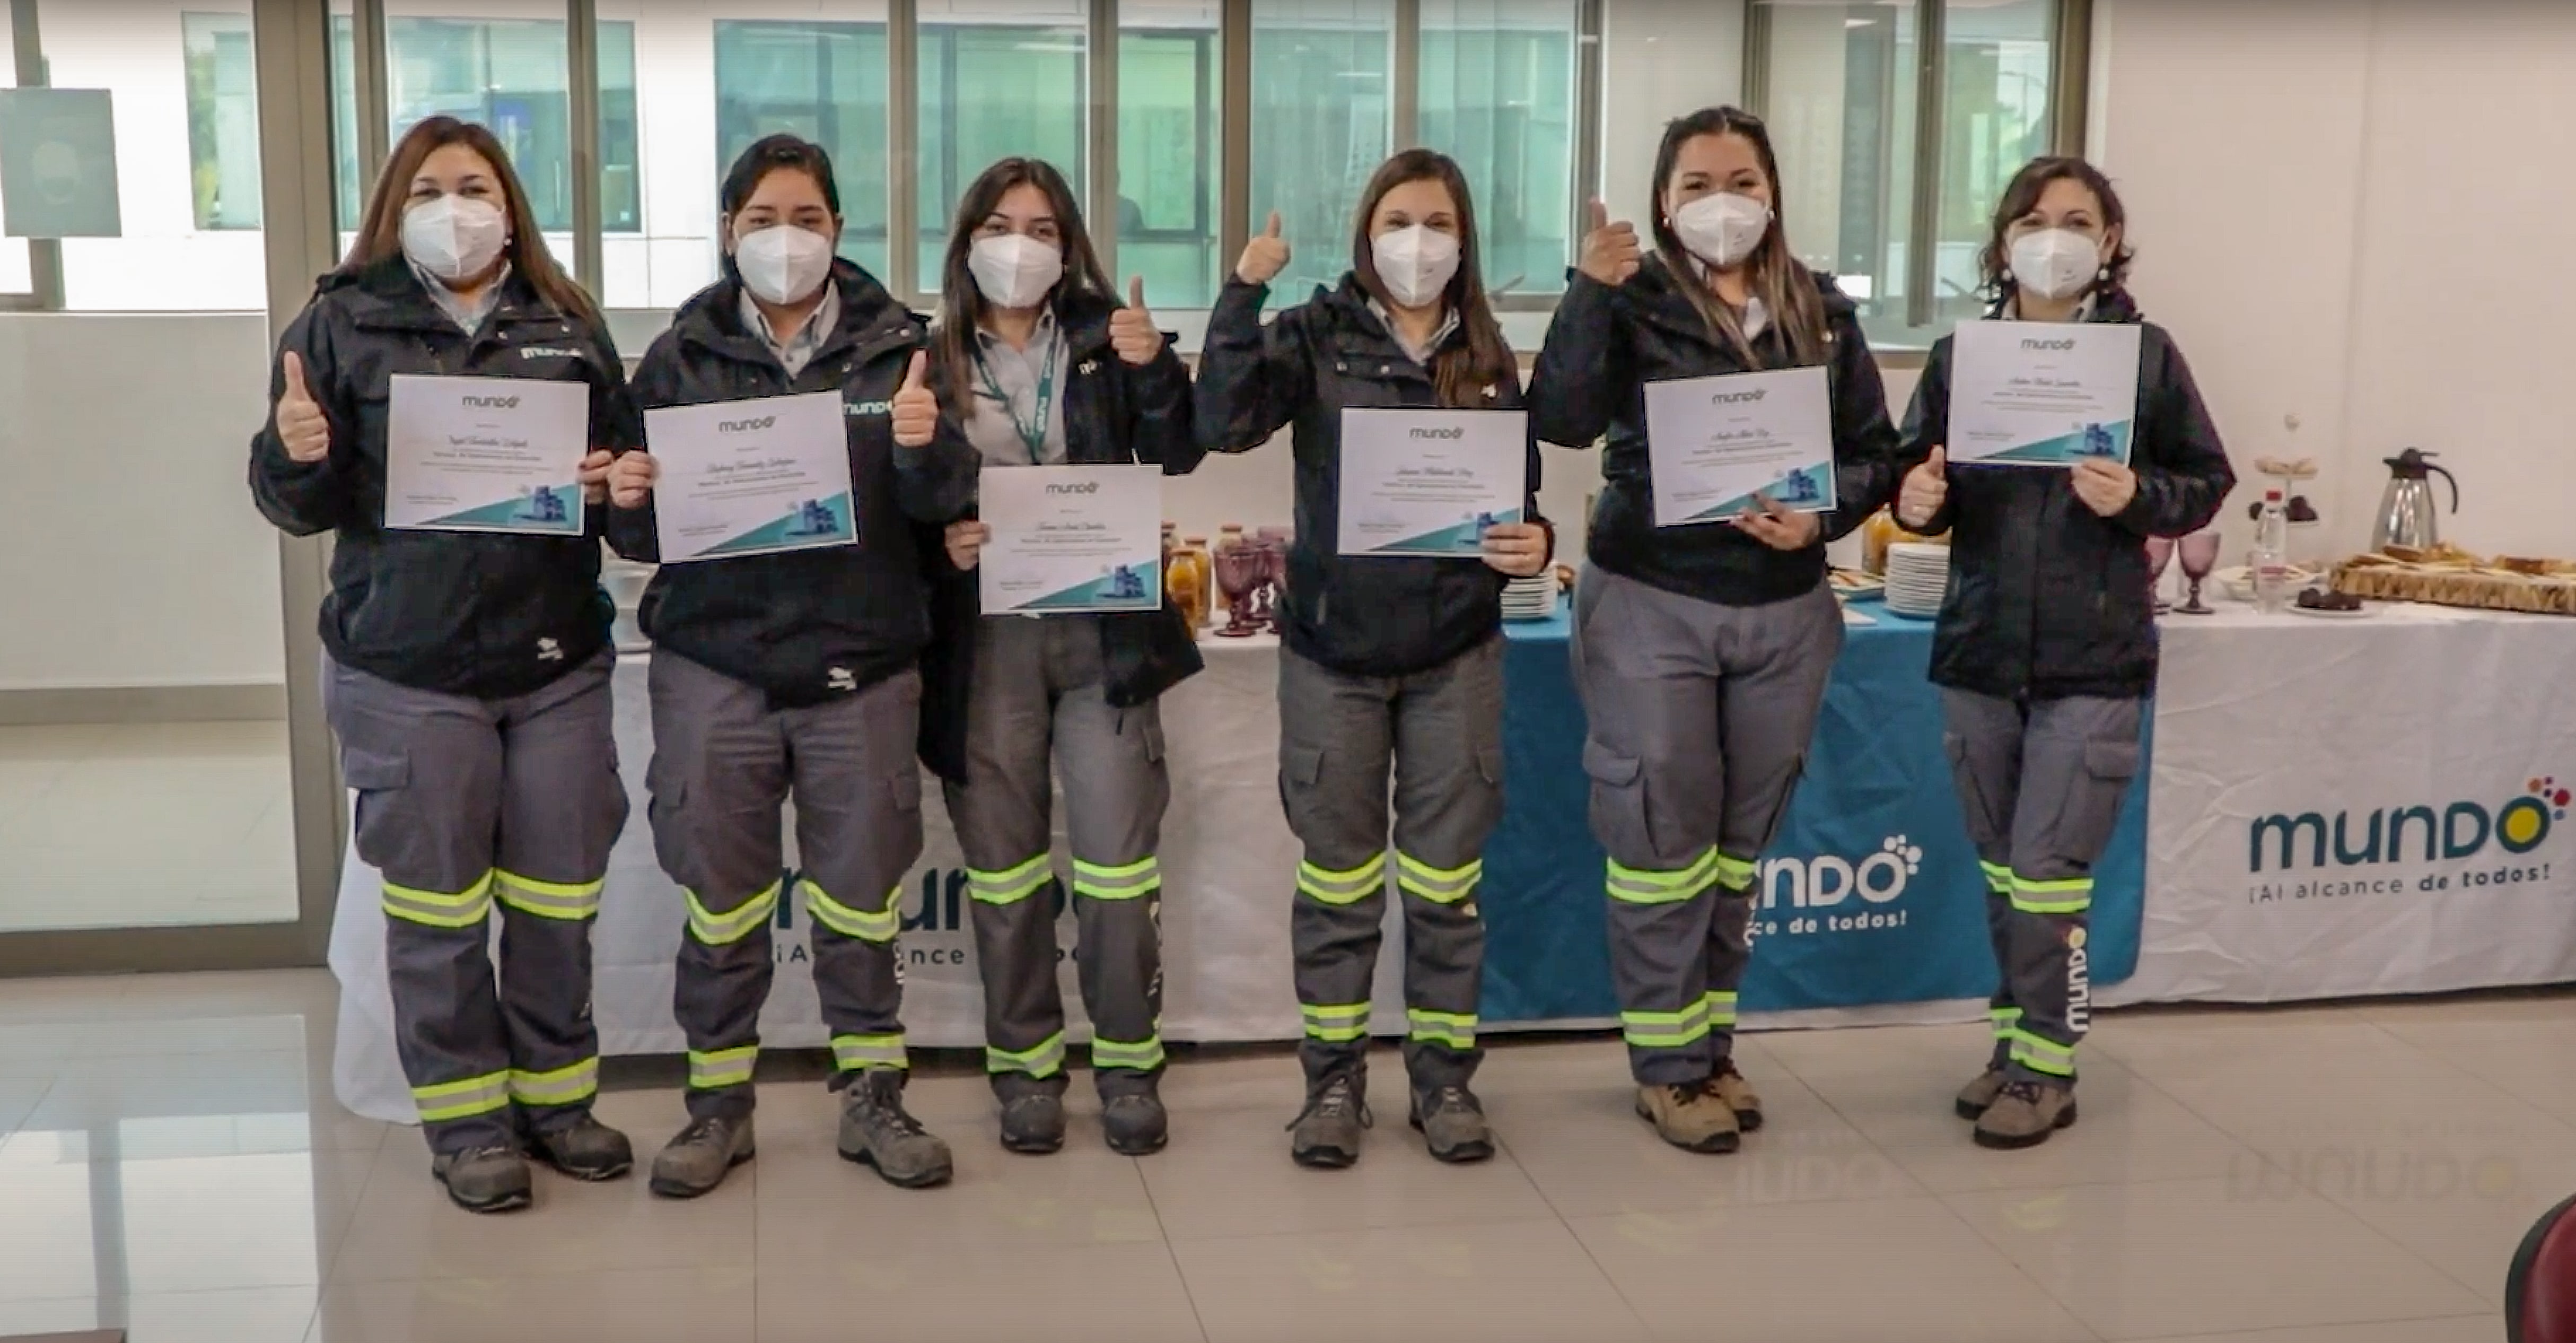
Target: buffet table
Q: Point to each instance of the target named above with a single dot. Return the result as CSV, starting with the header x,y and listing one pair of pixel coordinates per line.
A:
x,y
1872,904
2365,806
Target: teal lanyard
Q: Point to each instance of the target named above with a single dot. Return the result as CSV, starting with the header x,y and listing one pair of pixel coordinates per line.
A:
x,y
1032,431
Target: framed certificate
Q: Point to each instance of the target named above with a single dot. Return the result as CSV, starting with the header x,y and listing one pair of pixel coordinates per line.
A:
x,y
1429,482
2042,393
751,477
486,455
1715,443
1069,539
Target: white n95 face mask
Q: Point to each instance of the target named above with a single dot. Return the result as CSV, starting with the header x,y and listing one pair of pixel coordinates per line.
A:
x,y
2056,263
783,264
453,237
1723,229
1015,270
1416,264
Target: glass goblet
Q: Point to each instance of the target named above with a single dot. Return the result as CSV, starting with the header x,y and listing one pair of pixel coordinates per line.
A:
x,y
2199,553
1238,572
2160,553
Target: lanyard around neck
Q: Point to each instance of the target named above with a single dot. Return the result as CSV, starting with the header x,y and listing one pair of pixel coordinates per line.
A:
x,y
1032,430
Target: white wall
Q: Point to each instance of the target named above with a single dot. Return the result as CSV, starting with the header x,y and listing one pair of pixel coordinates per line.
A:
x,y
2353,217
131,554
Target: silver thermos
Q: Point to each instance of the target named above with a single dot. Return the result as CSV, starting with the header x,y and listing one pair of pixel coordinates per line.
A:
x,y
2407,516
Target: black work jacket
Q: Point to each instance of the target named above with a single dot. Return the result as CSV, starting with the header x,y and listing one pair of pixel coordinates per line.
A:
x,y
806,626
1608,342
2049,599
1359,615
478,614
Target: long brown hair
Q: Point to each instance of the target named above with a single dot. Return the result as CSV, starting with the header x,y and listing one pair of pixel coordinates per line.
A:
x,y
2021,197
961,301
380,228
1785,286
1461,372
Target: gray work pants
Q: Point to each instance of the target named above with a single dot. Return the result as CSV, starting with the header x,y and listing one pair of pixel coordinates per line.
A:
x,y
1700,717
1440,732
724,762
1039,703
465,802
2042,785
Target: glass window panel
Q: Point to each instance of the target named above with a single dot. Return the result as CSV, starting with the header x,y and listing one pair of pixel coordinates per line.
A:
x,y
1996,115
1843,81
1497,94
996,81
16,277
825,82
1170,73
1320,126
511,74
223,121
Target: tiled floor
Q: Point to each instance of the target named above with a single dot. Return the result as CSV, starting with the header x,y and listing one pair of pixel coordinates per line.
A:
x,y
173,1163
212,797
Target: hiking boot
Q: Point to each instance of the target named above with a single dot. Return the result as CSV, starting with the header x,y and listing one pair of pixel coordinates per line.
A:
x,y
483,1179
2024,1114
698,1160
1326,1135
877,1131
585,1149
1452,1122
1977,1095
1135,1124
1033,1123
1690,1116
1731,1090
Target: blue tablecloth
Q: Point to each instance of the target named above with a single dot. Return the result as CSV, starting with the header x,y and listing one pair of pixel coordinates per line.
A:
x,y
1872,894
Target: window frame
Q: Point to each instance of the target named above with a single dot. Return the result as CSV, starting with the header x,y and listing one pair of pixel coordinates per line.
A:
x,y
2069,99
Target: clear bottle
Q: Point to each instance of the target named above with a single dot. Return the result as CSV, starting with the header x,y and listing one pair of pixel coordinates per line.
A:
x,y
2271,559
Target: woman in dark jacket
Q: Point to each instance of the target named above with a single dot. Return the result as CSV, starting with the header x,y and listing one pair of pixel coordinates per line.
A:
x,y
2046,649
1044,368
1390,662
468,672
1701,648
795,671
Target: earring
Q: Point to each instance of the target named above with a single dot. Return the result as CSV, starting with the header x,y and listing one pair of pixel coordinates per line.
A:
x,y
2104,274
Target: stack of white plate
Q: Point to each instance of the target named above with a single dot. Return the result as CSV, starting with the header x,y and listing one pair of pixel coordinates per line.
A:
x,y
1918,577
1530,598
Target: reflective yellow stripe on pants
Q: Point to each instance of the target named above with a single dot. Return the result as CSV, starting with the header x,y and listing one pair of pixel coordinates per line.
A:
x,y
440,909
714,1068
548,899
443,1101
1343,888
851,921
723,930
561,1086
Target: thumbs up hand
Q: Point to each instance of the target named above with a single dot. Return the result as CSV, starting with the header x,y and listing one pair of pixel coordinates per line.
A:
x,y
915,407
1265,256
301,425
1131,329
1927,488
1610,251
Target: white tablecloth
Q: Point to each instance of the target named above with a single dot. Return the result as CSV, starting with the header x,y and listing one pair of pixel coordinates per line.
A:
x,y
2287,747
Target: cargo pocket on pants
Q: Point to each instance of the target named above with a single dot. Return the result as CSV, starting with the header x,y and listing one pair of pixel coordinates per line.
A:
x,y
1621,819
379,778
2092,806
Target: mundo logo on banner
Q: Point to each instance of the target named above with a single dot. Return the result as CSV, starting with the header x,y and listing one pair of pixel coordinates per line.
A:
x,y
2419,847
1830,893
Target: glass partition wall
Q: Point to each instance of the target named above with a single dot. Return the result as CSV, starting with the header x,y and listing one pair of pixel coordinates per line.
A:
x,y
174,173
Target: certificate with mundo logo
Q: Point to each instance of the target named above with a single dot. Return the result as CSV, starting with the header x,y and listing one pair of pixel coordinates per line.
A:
x,y
1070,539
751,477
1429,482
2042,393
485,455
1714,443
